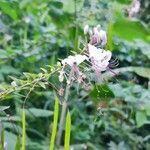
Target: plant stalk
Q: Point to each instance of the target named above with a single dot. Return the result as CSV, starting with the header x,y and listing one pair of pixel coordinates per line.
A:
x,y
64,110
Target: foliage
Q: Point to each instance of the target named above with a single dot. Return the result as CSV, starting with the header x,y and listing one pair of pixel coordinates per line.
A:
x,y
34,35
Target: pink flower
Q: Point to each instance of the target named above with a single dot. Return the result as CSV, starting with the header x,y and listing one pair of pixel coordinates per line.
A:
x,y
99,58
135,8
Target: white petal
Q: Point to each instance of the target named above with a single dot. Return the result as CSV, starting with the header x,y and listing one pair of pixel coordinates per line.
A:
x,y
103,37
99,57
70,60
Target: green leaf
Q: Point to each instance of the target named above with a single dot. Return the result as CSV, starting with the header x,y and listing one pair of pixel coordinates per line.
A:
x,y
10,139
102,91
130,30
40,112
55,122
141,71
2,139
144,47
124,1
147,109
109,45
2,108
56,4
23,129
67,131
10,9
76,40
69,5
140,118
42,84
18,143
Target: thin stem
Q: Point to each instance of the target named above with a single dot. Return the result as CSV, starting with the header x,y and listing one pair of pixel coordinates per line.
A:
x,y
64,109
62,121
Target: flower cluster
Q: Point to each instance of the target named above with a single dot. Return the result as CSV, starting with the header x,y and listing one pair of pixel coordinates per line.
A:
x,y
98,36
94,57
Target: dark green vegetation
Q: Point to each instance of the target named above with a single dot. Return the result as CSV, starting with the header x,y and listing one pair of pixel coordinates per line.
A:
x,y
34,34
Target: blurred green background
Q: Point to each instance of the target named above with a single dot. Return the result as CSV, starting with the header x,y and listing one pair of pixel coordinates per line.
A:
x,y
36,33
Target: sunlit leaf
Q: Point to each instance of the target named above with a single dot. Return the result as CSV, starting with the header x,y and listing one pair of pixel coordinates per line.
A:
x,y
140,118
18,143
9,8
130,30
70,5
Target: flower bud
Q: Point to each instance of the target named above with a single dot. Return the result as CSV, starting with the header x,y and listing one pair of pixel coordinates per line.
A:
x,y
86,29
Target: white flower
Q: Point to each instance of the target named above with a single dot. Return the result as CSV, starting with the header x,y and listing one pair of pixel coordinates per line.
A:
x,y
86,29
77,59
99,57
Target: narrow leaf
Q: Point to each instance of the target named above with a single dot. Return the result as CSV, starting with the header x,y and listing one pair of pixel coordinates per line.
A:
x,y
109,45
67,131
23,129
55,122
2,140
18,143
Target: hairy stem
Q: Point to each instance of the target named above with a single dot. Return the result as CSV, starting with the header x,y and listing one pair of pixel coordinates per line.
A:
x,y
64,109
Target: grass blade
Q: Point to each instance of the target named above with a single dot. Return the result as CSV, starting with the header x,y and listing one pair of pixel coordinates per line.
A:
x,y
2,140
55,122
67,131
18,143
23,129
109,45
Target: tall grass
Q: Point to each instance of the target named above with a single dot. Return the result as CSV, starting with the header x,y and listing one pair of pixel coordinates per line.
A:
x,y
55,123
67,131
2,139
23,129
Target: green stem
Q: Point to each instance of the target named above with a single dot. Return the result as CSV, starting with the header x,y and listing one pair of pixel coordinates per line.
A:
x,y
63,112
61,123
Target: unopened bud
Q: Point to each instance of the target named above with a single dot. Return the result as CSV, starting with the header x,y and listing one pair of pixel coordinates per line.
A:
x,y
86,29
